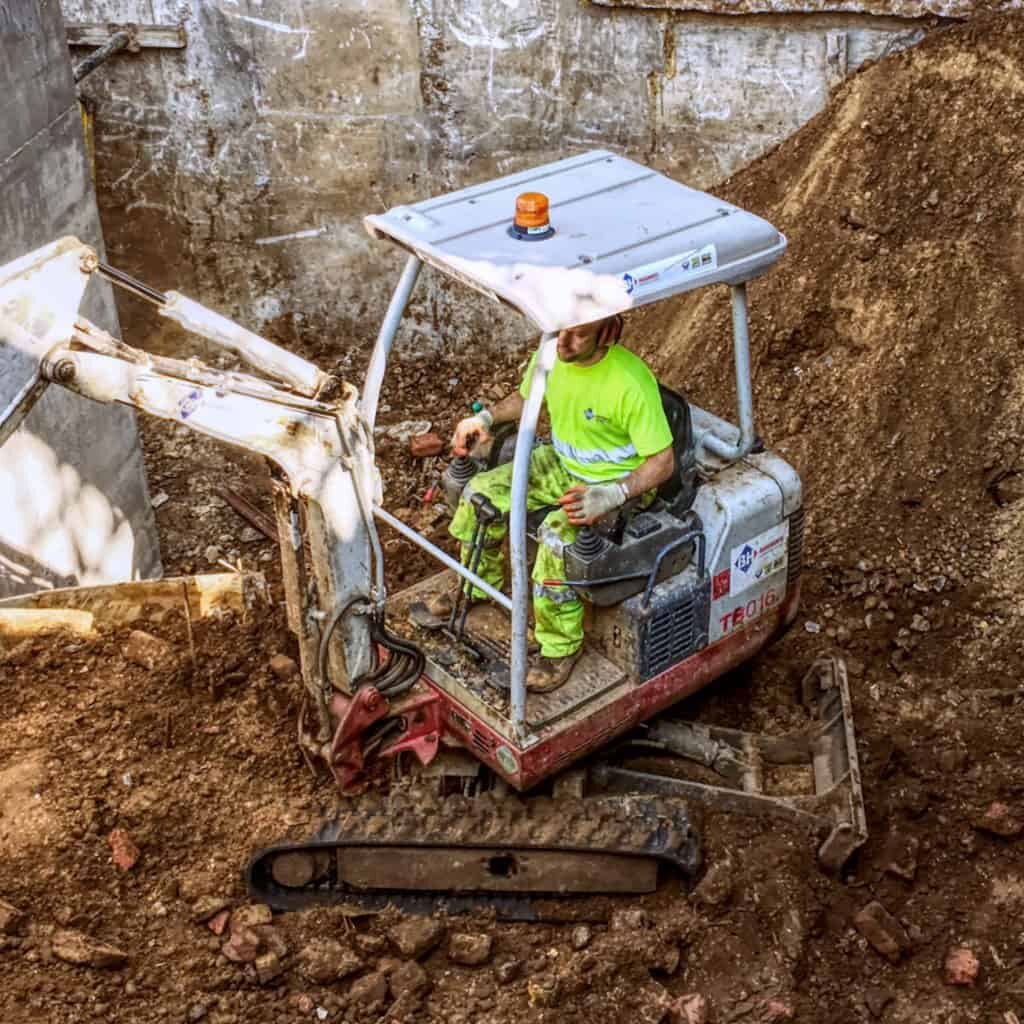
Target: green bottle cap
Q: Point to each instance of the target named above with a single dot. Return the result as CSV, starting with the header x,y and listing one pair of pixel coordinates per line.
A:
x,y
477,406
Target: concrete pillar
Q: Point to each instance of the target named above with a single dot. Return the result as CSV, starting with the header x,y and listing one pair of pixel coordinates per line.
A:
x,y
74,507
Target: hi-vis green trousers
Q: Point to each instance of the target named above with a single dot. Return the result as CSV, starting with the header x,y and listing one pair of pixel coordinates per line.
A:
x,y
557,611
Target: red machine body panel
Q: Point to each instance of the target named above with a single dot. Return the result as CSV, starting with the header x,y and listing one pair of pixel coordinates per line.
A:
x,y
524,768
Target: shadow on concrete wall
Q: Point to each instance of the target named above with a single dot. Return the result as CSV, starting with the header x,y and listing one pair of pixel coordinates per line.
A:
x,y
59,526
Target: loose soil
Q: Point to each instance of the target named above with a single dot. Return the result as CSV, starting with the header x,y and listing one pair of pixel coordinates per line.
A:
x,y
887,363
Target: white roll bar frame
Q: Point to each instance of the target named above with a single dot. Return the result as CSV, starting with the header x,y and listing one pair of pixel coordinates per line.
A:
x,y
519,602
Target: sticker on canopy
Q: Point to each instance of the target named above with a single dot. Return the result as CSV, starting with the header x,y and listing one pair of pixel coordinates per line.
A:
x,y
665,273
759,558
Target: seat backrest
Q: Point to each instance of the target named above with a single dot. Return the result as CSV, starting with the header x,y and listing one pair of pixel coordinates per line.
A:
x,y
679,490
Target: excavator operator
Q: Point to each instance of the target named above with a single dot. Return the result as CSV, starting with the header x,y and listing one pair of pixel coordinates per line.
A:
x,y
610,442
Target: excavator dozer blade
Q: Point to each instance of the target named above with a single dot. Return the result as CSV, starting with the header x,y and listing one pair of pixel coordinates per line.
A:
x,y
827,750
424,852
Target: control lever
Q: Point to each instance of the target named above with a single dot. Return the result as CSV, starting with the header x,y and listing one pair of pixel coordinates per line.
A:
x,y
486,514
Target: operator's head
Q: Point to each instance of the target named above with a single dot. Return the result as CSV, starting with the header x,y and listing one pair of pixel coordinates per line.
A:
x,y
581,343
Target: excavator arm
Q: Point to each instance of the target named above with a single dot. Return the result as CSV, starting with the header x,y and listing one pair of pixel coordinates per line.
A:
x,y
305,422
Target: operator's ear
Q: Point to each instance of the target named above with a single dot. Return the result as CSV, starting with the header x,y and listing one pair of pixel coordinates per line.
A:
x,y
615,329
611,331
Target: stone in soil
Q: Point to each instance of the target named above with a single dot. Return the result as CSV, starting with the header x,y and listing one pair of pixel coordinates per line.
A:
x,y
268,967
691,1008
206,907
283,667
11,918
961,967
508,971
250,916
416,936
243,947
148,651
322,961
877,999
651,1002
469,949
369,989
580,937
628,919
999,820
123,851
542,992
883,931
271,939
900,856
408,980
75,947
716,887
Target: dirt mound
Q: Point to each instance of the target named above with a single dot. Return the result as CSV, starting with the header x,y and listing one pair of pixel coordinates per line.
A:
x,y
886,344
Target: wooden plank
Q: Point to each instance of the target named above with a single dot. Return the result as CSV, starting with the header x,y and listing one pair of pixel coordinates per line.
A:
x,y
117,604
19,623
147,37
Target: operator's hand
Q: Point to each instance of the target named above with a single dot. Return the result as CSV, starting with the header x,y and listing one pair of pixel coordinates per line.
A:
x,y
471,431
586,503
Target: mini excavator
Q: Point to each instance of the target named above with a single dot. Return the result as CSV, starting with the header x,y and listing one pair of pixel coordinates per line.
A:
x,y
496,794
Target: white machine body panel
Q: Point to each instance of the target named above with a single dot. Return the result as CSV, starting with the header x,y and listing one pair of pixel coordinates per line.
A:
x,y
747,509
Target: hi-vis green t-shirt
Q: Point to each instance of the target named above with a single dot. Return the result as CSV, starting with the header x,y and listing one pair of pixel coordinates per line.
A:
x,y
605,418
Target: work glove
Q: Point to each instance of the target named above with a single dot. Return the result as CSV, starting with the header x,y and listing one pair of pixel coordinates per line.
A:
x,y
471,431
586,503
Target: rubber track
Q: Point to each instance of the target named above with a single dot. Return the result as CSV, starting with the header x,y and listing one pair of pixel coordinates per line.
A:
x,y
631,825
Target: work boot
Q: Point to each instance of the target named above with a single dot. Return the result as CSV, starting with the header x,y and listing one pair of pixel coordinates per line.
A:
x,y
549,674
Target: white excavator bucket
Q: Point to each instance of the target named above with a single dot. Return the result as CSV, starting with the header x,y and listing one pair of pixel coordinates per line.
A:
x,y
39,298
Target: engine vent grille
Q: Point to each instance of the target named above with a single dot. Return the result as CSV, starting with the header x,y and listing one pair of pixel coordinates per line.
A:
x,y
482,742
668,637
796,546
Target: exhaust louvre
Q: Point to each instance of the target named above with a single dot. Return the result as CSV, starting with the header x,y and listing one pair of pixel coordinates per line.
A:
x,y
796,546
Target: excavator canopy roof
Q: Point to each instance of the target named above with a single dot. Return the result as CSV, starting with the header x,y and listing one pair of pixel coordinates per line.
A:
x,y
623,236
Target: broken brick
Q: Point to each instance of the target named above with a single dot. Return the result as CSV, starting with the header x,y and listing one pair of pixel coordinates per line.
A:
x,y
961,967
999,820
219,921
883,931
424,446
123,852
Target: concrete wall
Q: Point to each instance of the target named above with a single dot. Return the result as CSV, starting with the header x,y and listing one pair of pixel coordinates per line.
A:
x,y
73,501
238,169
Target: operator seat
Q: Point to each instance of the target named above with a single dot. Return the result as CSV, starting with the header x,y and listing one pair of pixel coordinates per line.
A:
x,y
679,490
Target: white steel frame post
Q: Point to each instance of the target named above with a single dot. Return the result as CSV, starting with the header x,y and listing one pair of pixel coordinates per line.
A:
x,y
744,394
517,526
386,337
